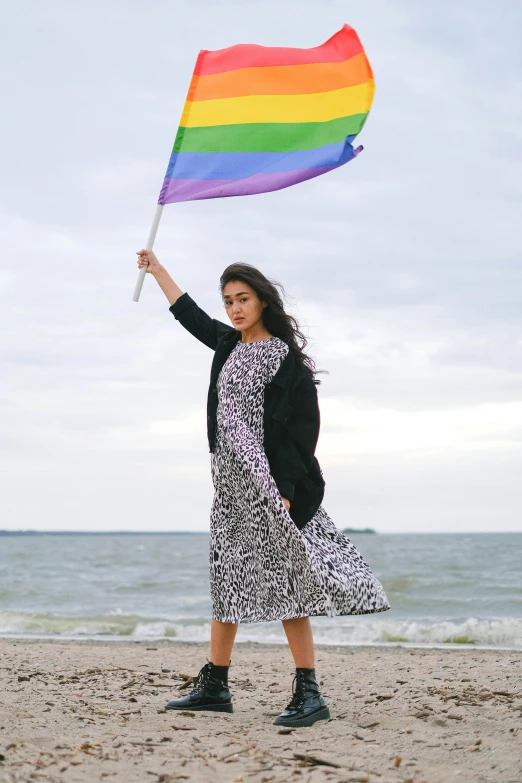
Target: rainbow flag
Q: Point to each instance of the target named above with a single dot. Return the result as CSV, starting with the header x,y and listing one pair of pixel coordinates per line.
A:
x,y
262,118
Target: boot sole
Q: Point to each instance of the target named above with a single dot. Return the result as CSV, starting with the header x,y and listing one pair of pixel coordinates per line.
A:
x,y
322,714
206,708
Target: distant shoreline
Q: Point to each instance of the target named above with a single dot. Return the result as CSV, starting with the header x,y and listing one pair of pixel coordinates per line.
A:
x,y
32,533
346,531
103,533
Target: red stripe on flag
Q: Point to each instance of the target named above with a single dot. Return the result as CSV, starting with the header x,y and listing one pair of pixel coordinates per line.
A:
x,y
341,46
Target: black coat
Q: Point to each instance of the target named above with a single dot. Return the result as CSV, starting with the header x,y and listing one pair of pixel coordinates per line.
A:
x,y
290,419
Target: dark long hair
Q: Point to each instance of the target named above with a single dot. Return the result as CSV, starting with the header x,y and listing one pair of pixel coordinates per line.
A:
x,y
275,319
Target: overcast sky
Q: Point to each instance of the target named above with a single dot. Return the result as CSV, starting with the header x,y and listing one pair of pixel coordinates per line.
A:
x,y
404,266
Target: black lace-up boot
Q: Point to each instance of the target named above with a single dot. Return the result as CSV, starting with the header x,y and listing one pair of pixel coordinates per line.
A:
x,y
210,692
307,704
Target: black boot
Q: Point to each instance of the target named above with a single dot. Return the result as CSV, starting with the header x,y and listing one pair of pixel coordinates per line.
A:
x,y
210,692
307,704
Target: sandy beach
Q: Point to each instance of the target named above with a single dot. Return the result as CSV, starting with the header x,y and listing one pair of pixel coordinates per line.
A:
x,y
77,711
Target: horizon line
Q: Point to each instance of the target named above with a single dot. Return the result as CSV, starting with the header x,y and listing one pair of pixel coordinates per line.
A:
x,y
355,531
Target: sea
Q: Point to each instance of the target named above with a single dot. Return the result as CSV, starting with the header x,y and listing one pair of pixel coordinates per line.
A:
x,y
447,590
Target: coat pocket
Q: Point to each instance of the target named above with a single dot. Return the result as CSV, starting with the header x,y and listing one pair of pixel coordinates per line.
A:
x,y
282,413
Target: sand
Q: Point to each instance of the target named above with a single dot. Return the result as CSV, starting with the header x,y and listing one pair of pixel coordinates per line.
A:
x,y
77,711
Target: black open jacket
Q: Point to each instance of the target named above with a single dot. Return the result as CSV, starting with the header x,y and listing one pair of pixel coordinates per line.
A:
x,y
291,413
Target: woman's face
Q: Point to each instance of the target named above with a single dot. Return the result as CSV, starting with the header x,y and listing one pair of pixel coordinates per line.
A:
x,y
242,304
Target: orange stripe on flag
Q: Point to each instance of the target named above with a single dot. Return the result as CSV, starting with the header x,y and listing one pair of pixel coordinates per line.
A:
x,y
283,79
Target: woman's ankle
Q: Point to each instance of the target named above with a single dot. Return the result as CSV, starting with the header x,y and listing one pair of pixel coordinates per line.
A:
x,y
304,663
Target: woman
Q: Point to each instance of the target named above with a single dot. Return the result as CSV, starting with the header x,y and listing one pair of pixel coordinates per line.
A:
x,y
275,554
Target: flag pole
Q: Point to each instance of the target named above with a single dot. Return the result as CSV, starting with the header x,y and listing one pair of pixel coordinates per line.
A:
x,y
148,246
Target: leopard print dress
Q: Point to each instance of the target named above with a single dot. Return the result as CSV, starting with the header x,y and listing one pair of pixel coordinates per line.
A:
x,y
262,567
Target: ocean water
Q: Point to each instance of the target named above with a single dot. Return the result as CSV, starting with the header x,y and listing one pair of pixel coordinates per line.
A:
x,y
444,589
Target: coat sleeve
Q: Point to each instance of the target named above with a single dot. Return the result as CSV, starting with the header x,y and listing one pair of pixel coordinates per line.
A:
x,y
196,321
295,454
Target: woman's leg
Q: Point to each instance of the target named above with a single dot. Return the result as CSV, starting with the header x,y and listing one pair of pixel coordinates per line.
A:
x,y
300,638
222,637
211,690
307,704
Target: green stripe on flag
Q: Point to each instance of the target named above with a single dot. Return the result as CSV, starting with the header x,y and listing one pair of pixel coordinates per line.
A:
x,y
267,137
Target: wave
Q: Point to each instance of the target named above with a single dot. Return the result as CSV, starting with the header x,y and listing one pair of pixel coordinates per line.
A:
x,y
349,631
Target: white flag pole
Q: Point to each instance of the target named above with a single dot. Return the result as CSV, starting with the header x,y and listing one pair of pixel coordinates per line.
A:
x,y
148,246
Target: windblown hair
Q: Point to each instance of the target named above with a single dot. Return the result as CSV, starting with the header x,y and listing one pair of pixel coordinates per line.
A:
x,y
275,319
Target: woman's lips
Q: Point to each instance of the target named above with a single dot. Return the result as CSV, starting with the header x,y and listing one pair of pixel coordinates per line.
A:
x,y
237,320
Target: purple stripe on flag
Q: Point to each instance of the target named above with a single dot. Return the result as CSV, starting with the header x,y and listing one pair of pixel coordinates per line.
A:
x,y
176,190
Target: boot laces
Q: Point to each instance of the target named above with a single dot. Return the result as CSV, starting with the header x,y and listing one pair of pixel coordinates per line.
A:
x,y
201,679
298,691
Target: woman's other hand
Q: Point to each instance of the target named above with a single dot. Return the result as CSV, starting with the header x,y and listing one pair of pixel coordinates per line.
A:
x,y
146,258
287,504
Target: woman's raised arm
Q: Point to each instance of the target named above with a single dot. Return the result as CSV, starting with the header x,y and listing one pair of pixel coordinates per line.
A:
x,y
195,320
171,290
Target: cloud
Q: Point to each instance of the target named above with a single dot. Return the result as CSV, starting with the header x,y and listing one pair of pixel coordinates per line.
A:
x,y
351,432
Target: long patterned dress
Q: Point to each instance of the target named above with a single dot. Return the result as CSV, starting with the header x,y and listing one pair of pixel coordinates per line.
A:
x,y
262,567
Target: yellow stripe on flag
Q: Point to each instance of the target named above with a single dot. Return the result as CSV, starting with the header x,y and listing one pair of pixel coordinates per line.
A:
x,y
316,107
